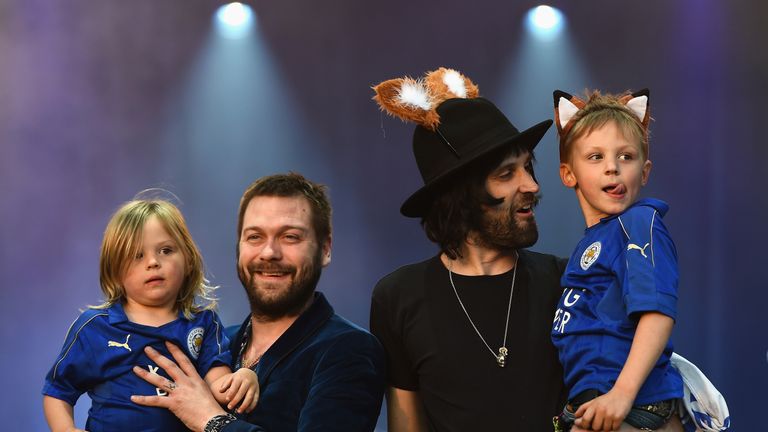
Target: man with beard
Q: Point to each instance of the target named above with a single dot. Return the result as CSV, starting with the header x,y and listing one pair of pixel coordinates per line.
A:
x,y
317,371
466,332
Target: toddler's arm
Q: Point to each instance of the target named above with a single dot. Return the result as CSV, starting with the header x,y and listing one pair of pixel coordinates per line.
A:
x,y
233,389
59,415
609,410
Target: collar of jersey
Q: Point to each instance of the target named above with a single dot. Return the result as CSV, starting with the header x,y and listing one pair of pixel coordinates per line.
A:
x,y
659,205
117,314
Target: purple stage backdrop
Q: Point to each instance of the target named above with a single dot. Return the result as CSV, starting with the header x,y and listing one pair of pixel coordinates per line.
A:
x,y
102,99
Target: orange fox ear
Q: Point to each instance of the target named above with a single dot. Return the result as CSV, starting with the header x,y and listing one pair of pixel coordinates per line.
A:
x,y
447,84
417,100
639,104
566,106
408,99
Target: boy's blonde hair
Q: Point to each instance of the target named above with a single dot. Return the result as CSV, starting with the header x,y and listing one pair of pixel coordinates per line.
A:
x,y
122,241
598,111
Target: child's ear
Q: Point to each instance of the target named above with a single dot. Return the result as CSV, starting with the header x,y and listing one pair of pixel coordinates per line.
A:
x,y
646,171
566,175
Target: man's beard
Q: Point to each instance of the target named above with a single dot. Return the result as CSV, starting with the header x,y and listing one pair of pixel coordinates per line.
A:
x,y
501,230
290,300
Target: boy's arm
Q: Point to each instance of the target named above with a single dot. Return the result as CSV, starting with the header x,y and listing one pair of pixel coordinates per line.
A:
x,y
215,377
652,334
59,415
239,389
216,373
608,411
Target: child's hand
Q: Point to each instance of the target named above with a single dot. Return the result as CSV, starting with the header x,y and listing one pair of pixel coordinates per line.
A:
x,y
604,413
241,389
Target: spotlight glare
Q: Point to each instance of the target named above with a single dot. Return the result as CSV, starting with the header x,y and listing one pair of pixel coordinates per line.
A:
x,y
234,20
545,21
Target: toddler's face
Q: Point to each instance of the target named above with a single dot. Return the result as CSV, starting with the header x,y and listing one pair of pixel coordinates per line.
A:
x,y
607,170
156,274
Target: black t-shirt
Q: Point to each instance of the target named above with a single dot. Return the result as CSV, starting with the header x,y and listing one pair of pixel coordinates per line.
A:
x,y
433,349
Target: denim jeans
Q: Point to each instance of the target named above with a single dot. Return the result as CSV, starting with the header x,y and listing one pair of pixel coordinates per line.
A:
x,y
644,417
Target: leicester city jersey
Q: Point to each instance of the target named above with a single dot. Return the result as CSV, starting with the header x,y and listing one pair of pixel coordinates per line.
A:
x,y
100,350
624,266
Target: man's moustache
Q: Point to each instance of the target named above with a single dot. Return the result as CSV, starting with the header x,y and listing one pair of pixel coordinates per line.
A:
x,y
529,198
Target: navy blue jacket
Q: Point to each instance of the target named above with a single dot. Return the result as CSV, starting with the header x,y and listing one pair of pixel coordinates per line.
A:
x,y
323,374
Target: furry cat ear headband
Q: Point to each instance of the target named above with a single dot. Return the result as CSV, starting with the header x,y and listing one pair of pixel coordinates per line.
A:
x,y
567,106
416,100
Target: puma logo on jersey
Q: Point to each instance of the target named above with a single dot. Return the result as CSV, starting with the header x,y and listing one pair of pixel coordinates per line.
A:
x,y
122,345
641,249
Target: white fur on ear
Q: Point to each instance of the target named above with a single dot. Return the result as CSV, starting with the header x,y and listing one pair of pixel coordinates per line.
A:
x,y
414,94
566,110
455,83
639,105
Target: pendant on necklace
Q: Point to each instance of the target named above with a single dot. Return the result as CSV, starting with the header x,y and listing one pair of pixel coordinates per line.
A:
x,y
501,359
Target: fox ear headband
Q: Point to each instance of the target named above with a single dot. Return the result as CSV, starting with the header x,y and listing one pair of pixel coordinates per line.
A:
x,y
567,106
454,129
416,100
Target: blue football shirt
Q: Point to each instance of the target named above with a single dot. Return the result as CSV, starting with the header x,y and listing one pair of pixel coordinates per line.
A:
x,y
100,350
624,266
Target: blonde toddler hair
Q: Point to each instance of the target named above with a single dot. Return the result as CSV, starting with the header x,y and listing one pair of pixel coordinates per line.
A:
x,y
122,241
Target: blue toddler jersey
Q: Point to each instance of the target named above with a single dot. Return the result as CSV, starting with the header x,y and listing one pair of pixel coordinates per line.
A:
x,y
624,266
100,350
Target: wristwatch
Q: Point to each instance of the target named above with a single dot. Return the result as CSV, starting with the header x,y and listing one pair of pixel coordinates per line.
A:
x,y
217,423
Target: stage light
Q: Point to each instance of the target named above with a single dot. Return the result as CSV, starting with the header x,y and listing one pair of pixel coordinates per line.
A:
x,y
545,21
234,20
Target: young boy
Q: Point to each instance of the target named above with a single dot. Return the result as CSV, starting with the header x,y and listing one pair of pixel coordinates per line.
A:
x,y
615,316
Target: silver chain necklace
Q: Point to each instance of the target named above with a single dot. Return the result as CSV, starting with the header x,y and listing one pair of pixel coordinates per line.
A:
x,y
501,357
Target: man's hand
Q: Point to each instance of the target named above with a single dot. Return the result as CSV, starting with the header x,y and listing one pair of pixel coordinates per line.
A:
x,y
240,388
189,397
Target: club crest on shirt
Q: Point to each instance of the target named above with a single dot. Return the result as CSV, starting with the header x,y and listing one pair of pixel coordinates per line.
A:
x,y
195,341
590,255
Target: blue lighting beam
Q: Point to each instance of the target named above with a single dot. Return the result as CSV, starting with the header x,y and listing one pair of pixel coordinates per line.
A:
x,y
234,20
545,22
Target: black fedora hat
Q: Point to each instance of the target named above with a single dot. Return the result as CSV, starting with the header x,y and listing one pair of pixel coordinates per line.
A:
x,y
468,129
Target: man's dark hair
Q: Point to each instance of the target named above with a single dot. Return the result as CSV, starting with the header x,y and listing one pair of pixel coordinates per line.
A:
x,y
291,185
457,207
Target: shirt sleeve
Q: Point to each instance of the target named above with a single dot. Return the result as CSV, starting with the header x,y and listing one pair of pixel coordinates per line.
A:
x,y
651,278
215,346
386,326
74,371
